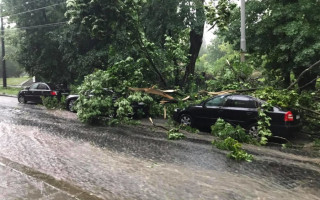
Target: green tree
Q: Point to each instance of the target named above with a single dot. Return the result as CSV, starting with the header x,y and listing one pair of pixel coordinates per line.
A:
x,y
13,68
285,32
34,36
166,35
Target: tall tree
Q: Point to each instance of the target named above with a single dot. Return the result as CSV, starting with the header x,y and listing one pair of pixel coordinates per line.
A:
x,y
171,17
286,32
37,24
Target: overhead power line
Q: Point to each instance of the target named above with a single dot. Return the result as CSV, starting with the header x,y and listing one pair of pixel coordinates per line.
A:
x,y
28,2
35,9
36,26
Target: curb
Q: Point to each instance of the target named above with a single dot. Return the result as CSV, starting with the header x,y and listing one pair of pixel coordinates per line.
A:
x,y
7,95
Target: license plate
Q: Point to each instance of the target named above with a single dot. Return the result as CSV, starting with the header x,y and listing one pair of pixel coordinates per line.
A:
x,y
298,117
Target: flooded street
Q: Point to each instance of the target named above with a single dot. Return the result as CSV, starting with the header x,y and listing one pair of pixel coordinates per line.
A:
x,y
49,154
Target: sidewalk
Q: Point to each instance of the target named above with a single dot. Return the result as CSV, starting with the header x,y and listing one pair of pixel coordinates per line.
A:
x,y
18,181
16,185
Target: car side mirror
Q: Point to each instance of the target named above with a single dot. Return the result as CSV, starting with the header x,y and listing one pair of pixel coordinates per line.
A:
x,y
27,88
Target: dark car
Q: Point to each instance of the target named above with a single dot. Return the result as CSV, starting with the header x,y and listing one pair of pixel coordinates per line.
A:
x,y
238,110
71,99
139,108
36,90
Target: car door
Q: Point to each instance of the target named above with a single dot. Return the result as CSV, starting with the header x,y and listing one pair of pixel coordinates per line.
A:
x,y
30,93
210,110
240,110
42,90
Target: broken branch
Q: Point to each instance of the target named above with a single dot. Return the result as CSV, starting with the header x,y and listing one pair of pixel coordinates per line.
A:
x,y
301,75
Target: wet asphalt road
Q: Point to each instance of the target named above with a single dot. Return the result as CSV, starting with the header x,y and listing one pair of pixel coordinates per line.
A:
x,y
49,154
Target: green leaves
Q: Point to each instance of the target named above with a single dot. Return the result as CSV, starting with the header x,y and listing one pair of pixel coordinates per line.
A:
x,y
174,134
284,32
224,130
234,146
219,15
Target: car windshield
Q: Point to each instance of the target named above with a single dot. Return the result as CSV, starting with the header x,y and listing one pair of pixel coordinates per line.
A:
x,y
217,101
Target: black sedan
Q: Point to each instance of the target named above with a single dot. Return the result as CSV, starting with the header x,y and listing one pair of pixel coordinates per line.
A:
x,y
237,110
71,99
36,90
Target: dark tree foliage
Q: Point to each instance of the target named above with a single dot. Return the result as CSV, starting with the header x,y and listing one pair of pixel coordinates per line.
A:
x,y
285,31
162,37
38,51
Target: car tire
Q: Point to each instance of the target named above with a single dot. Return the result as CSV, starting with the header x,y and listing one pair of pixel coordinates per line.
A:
x,y
22,99
253,131
186,120
70,105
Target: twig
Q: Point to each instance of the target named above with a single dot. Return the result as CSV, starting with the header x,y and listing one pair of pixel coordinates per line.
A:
x,y
312,111
282,139
249,90
300,76
313,117
309,82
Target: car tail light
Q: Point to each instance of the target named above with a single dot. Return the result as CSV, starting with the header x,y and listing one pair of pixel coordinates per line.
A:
x,y
288,117
53,93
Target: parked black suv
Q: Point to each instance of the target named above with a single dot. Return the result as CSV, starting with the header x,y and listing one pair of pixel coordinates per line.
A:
x,y
36,90
237,110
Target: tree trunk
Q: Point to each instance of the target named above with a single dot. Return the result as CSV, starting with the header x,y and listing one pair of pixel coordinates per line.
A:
x,y
196,35
196,42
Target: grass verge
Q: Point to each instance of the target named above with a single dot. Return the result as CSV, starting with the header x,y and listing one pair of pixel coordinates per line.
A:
x,y
9,91
15,81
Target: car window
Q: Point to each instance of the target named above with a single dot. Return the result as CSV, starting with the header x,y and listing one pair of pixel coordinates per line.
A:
x,y
34,86
42,87
218,101
241,102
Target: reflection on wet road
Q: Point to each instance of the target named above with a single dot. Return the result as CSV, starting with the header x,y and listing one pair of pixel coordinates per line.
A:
x,y
51,153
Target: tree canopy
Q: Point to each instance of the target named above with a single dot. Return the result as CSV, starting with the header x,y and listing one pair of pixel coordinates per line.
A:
x,y
62,41
286,32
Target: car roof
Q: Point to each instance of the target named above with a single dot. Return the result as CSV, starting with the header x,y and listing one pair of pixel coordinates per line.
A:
x,y
241,97
235,95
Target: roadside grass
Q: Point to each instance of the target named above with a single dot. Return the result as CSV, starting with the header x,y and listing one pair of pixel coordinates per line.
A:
x,y
9,90
15,81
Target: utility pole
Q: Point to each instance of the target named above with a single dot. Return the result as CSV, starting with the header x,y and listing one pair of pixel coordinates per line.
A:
x,y
4,71
243,45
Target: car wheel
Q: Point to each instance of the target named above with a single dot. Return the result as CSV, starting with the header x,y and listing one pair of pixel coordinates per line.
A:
x,y
186,120
21,99
253,131
71,105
